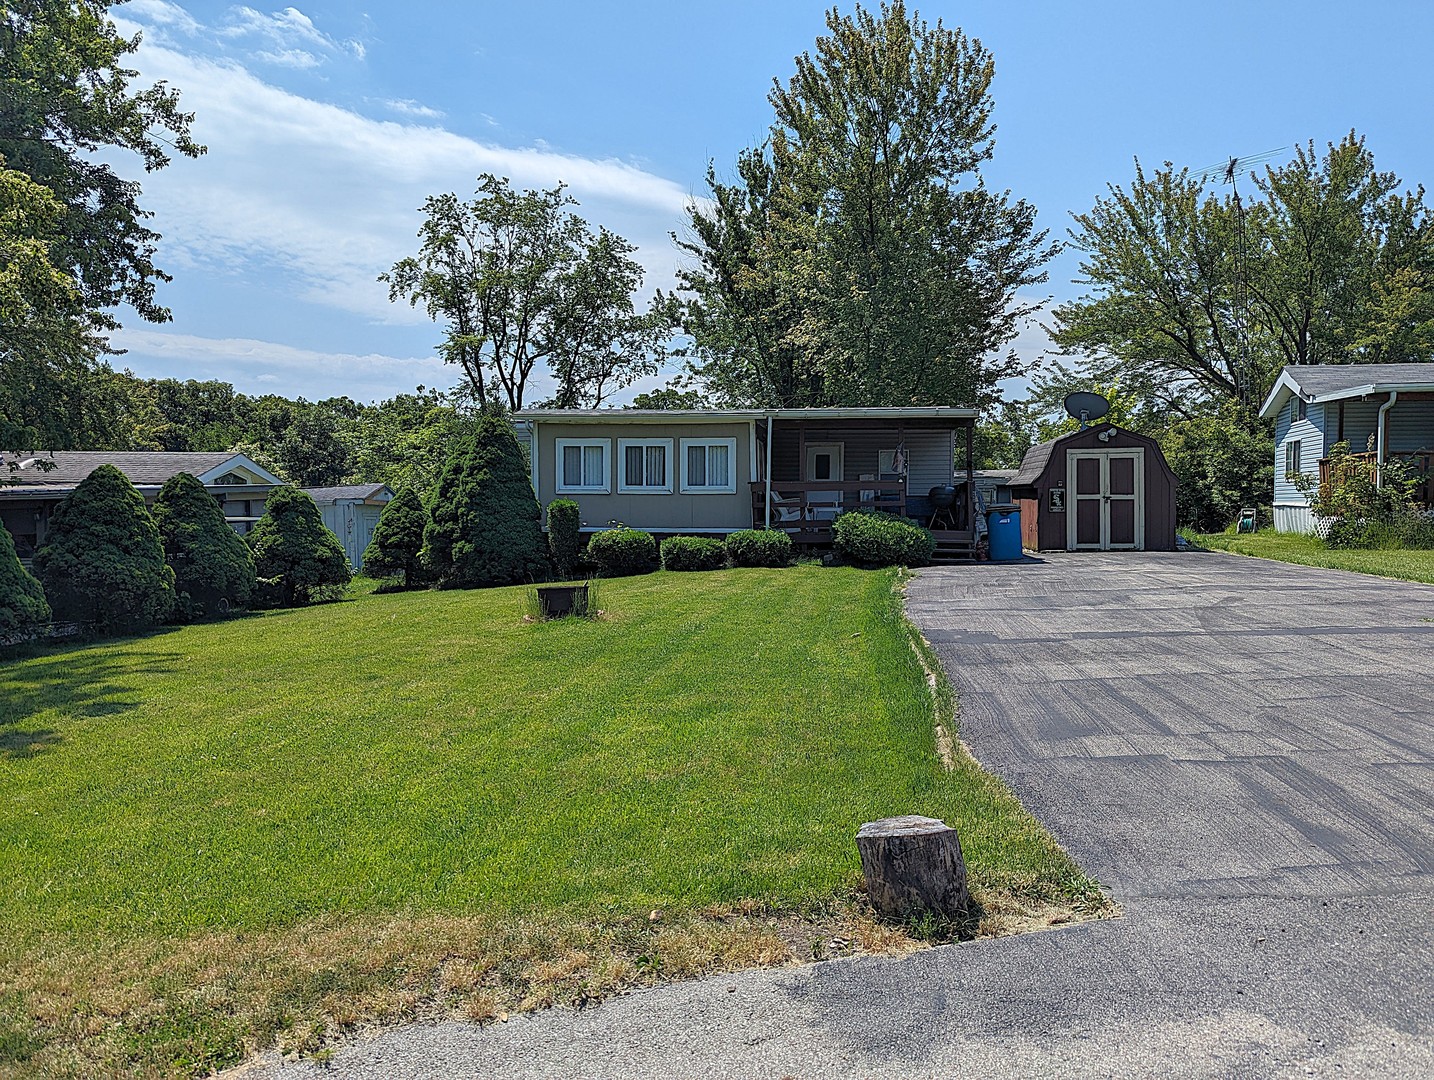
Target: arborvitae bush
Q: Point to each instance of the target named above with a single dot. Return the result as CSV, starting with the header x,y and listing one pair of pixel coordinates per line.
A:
x,y
397,539
484,526
211,562
693,553
22,601
297,556
760,547
872,538
102,560
620,552
564,536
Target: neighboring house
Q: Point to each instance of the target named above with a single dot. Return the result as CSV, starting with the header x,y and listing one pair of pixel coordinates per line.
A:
x,y
30,492
352,513
1383,411
1101,488
717,471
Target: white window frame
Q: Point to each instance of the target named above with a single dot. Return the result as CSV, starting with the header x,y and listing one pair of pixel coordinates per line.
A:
x,y
664,488
576,489
1294,454
725,489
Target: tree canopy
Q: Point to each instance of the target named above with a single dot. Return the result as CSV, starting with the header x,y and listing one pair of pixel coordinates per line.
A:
x,y
858,258
1197,297
523,286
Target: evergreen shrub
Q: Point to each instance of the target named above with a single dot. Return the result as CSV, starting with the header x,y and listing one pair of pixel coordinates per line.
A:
x,y
297,556
102,560
397,539
565,537
213,567
873,538
484,522
760,547
623,551
693,553
22,601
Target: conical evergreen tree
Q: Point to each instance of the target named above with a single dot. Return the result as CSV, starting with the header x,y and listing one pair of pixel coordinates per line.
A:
x,y
294,549
102,561
210,560
397,538
484,519
22,601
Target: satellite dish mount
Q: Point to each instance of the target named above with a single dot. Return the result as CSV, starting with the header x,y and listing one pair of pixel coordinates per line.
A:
x,y
1085,407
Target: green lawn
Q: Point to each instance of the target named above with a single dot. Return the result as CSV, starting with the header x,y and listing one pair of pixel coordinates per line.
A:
x,y
1311,551
405,759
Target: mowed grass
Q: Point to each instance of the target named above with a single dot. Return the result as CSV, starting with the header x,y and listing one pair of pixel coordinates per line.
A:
x,y
397,768
1408,565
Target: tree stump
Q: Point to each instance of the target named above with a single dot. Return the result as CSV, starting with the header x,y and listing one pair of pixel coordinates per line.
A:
x,y
913,865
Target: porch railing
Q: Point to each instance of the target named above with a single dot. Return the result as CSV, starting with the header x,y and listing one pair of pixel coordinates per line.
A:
x,y
808,506
1420,462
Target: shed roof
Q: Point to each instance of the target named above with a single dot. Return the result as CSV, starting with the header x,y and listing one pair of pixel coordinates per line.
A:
x,y
1335,382
1034,463
359,492
144,468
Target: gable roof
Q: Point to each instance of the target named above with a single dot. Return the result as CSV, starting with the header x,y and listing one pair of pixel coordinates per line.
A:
x,y
144,468
1336,382
1034,463
360,492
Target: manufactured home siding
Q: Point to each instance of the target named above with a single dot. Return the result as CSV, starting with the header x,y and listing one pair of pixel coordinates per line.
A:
x,y
1309,432
668,513
928,454
1410,426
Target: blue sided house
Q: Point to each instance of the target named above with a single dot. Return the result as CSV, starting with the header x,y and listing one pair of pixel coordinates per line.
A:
x,y
1383,411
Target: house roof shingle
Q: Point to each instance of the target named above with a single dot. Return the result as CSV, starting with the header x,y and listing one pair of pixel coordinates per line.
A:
x,y
144,468
1320,379
344,491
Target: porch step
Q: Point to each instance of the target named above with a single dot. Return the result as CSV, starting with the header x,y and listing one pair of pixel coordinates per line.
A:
x,y
953,553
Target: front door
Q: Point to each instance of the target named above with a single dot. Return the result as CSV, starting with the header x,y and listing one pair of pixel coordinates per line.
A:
x,y
1107,492
824,463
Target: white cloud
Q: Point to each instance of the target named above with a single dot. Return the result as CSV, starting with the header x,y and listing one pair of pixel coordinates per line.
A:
x,y
409,107
160,13
282,27
319,199
299,59
251,364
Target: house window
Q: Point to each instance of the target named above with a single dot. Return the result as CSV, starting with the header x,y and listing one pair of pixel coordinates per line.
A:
x,y
644,465
709,466
1292,458
1300,409
582,466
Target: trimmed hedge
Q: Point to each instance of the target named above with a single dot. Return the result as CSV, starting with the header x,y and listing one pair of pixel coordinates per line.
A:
x,y
565,541
620,552
872,538
693,553
760,547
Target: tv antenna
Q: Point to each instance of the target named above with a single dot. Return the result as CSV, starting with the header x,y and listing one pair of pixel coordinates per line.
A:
x,y
1085,407
1229,173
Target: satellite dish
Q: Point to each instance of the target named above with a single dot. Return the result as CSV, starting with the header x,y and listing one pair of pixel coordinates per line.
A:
x,y
1085,406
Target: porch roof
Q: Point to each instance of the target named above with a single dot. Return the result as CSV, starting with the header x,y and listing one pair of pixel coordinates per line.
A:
x,y
709,416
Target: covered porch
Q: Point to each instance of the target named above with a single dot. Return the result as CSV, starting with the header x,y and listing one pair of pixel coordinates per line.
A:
x,y
814,464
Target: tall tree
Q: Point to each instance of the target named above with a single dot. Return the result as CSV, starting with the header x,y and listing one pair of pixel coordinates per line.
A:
x,y
859,258
1196,298
523,284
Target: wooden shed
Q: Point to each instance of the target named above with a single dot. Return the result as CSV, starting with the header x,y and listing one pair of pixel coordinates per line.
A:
x,y
1101,489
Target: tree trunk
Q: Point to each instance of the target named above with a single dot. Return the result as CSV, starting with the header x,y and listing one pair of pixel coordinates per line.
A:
x,y
913,865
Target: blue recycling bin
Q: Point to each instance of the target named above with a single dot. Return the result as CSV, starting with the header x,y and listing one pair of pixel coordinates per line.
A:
x,y
1003,528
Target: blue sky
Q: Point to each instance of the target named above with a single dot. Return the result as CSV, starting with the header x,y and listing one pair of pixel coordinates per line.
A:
x,y
329,123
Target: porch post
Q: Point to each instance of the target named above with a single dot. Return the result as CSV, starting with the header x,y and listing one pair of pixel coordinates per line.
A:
x,y
802,464
767,476
971,476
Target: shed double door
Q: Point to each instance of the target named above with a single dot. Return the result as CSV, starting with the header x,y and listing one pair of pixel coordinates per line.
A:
x,y
1108,494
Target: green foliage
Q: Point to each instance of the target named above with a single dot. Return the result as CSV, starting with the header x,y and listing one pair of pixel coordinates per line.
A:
x,y
1334,267
521,280
858,259
622,551
22,601
565,540
211,563
693,553
102,560
484,526
1362,509
873,538
1222,463
397,539
760,547
297,556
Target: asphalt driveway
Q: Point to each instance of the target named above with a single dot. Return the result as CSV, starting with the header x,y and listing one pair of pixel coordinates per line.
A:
x,y
1241,751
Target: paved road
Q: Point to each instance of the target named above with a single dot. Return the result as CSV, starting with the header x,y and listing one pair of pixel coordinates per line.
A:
x,y
1242,751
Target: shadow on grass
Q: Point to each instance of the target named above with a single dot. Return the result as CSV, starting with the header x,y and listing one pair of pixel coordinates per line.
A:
x,y
84,681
